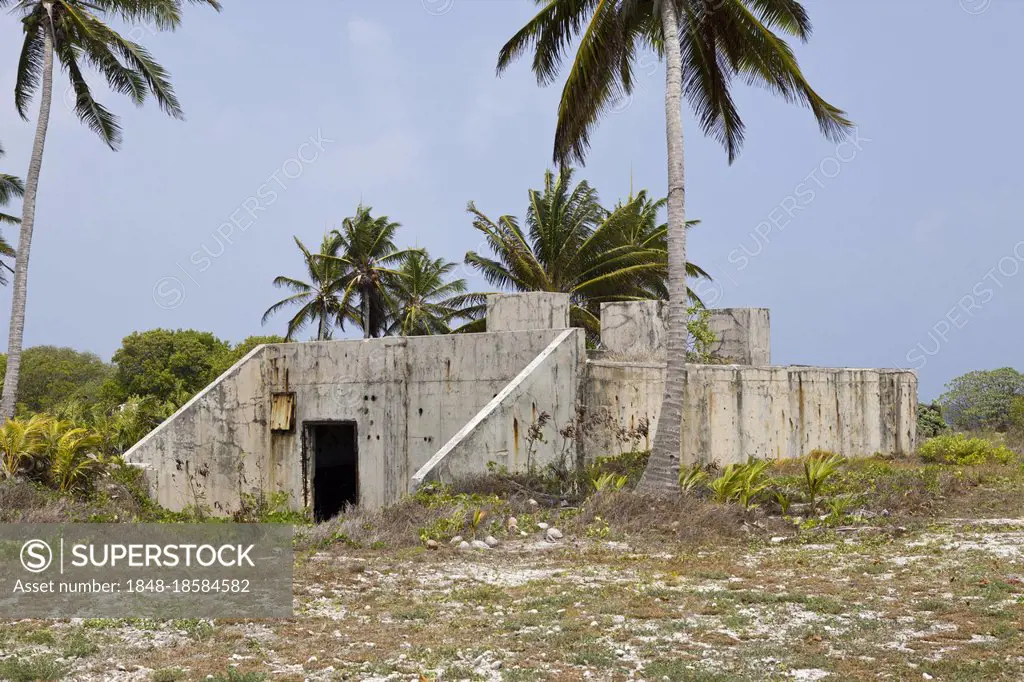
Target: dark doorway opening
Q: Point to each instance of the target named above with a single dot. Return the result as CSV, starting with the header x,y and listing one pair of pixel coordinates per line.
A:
x,y
335,467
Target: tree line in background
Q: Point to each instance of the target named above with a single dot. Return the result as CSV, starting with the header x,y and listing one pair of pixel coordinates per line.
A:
x,y
77,414
987,404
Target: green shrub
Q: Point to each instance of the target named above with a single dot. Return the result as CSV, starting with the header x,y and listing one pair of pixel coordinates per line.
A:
x,y
691,479
929,421
608,481
961,450
753,482
263,507
43,667
726,487
628,464
1016,433
741,483
819,467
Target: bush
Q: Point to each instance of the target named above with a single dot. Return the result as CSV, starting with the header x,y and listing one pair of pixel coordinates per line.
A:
x,y
961,450
929,421
52,451
1016,433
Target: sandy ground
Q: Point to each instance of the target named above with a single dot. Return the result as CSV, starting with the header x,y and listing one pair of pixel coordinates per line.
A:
x,y
943,602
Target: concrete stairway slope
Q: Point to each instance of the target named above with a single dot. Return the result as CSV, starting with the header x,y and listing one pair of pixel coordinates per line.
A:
x,y
498,431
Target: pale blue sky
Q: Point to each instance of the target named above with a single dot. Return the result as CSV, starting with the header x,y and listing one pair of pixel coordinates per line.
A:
x,y
869,257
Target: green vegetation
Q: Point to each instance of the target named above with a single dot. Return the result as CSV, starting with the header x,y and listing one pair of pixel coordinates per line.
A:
x,y
425,301
11,187
52,376
78,415
317,298
929,421
692,479
982,400
53,452
168,365
1016,432
233,675
571,244
819,467
360,276
167,675
365,250
32,669
741,483
962,450
609,481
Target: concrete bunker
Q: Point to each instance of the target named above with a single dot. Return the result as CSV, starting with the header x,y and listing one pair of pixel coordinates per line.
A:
x,y
336,423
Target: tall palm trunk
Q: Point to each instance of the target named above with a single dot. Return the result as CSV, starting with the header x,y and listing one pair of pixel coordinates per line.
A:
x,y
365,313
321,332
663,469
20,293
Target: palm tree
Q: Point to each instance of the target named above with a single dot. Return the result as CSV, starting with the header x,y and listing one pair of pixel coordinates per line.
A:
x,y
638,220
424,301
319,297
10,187
365,247
705,44
76,30
574,246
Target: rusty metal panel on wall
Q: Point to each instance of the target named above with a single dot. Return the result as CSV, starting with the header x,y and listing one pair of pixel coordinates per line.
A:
x,y
282,411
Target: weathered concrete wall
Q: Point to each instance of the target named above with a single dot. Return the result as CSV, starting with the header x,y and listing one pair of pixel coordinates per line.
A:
x,y
635,328
743,335
538,310
407,397
734,412
620,396
499,432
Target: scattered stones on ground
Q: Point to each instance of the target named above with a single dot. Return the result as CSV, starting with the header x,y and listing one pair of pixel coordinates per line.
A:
x,y
542,525
464,545
457,539
491,541
479,544
553,534
431,544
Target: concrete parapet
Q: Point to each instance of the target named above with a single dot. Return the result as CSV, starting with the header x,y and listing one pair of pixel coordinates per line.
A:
x,y
637,329
743,335
521,312
634,328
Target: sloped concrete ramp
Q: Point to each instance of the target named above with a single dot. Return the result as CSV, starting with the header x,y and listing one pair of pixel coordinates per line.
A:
x,y
499,432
